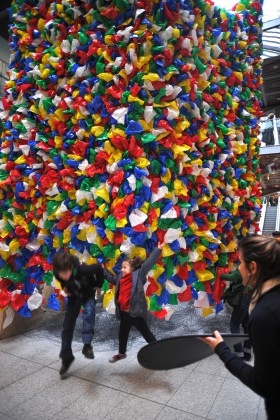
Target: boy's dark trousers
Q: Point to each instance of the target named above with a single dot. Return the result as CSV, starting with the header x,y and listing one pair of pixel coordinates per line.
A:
x,y
69,323
127,322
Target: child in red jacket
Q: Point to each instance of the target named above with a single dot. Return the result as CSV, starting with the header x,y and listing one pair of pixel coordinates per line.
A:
x,y
130,300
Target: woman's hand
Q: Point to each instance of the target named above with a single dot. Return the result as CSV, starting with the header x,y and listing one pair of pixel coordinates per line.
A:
x,y
213,341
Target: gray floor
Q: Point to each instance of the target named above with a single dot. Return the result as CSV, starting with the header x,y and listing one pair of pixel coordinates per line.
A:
x,y
30,386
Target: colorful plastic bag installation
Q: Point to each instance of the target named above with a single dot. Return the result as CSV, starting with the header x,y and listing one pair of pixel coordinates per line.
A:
x,y
127,122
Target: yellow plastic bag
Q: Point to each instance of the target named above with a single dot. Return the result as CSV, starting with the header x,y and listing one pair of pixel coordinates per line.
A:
x,y
108,295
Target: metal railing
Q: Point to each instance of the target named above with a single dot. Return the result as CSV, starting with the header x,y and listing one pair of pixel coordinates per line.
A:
x,y
264,214
277,224
264,206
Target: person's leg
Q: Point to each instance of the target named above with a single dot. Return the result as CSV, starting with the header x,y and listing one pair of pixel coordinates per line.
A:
x,y
238,314
71,315
235,322
66,354
99,274
88,316
247,346
142,326
125,326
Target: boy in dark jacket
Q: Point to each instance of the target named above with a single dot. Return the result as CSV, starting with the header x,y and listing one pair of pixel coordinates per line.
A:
x,y
79,282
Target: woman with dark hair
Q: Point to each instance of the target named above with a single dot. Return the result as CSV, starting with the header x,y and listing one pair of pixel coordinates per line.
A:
x,y
130,300
260,270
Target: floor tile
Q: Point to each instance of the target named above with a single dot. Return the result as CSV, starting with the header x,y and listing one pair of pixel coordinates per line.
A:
x,y
161,385
24,389
52,400
197,393
41,351
31,388
235,401
135,408
212,365
14,368
95,404
6,417
169,413
261,411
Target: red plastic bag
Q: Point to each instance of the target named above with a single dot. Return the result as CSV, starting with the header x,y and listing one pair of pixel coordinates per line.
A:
x,y
18,300
5,298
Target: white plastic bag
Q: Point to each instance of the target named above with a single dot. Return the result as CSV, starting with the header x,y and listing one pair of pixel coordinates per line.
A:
x,y
35,300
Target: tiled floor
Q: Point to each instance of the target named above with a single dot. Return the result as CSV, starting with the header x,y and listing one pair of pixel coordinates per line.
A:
x,y
31,388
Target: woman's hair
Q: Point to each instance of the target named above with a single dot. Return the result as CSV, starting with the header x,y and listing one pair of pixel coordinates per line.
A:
x,y
134,263
265,251
62,261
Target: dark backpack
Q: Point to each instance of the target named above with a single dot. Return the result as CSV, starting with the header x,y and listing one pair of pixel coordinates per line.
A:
x,y
233,293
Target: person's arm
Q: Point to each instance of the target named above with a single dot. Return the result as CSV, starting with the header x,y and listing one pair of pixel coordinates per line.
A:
x,y
63,284
238,367
233,276
152,259
260,378
233,363
112,278
67,287
94,272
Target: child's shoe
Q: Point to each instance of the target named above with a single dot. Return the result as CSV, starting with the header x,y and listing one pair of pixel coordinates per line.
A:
x,y
117,357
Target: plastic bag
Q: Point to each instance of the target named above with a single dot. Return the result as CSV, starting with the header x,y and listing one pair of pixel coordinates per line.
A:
x,y
107,297
111,307
35,300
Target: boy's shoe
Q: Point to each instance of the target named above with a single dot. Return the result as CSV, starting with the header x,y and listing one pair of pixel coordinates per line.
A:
x,y
88,351
117,357
66,363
